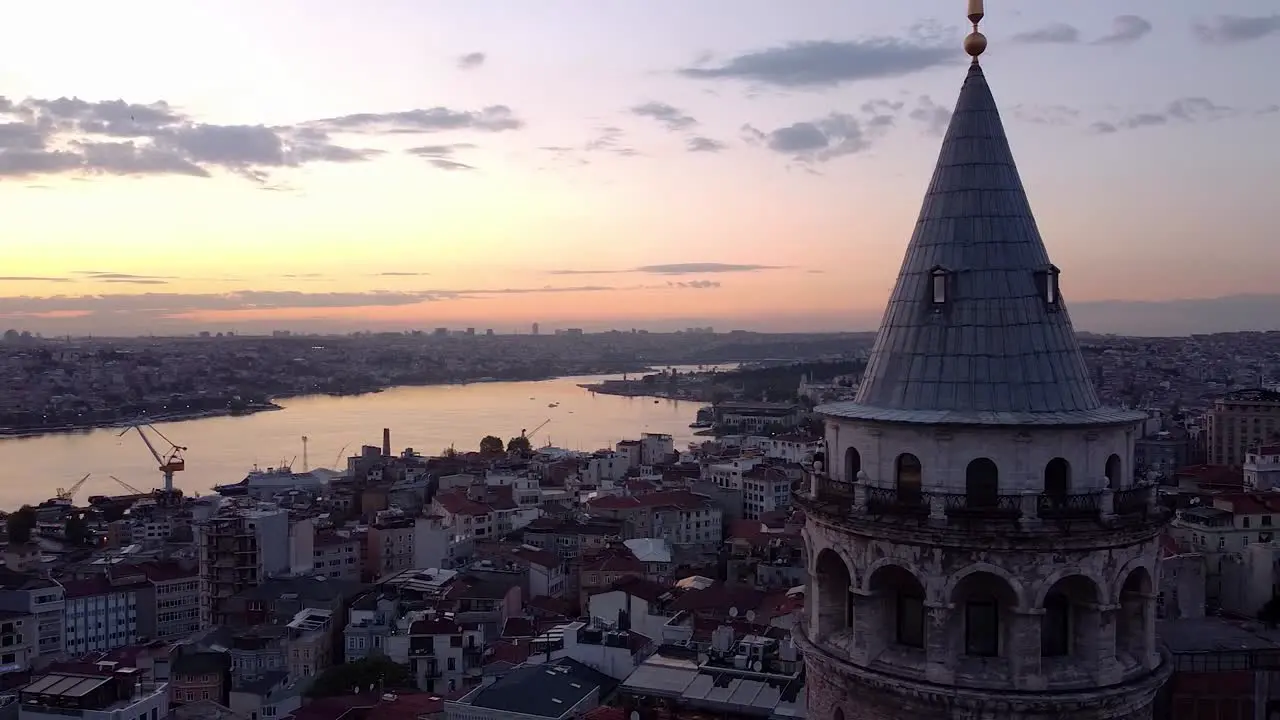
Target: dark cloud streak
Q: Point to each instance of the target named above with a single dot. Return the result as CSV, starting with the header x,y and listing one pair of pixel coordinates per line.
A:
x,y
828,63
1235,29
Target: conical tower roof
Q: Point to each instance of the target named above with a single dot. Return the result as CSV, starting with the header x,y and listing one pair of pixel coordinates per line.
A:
x,y
975,330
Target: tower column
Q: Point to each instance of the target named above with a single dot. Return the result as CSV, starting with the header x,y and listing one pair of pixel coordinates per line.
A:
x,y
1024,648
1108,670
940,645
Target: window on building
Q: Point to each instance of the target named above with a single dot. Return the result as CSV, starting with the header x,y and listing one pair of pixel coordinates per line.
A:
x,y
1055,626
938,285
982,628
910,619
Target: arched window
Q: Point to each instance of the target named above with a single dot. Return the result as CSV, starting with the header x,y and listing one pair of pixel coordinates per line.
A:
x,y
839,715
907,478
852,464
1055,626
982,483
1113,472
1057,479
902,596
833,606
985,600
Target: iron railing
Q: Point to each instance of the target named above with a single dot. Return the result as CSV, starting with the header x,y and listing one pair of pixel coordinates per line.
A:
x,y
982,505
891,501
1069,506
1132,501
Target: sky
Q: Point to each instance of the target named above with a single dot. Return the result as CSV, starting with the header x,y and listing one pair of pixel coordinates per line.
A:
x,y
395,164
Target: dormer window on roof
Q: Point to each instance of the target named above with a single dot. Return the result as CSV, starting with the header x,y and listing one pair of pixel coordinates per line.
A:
x,y
1047,284
938,285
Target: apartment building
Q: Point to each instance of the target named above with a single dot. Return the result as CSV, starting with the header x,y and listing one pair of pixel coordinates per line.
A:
x,y
765,489
390,544
679,517
102,612
1240,421
238,549
24,593
337,556
176,592
444,654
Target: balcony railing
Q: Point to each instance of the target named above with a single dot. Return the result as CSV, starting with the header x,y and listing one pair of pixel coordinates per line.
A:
x,y
1133,501
888,501
1069,506
837,497
982,505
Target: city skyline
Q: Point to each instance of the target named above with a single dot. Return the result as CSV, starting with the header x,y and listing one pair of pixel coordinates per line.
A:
x,y
408,166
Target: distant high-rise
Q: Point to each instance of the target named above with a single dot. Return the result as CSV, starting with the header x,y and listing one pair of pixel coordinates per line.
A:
x,y
535,328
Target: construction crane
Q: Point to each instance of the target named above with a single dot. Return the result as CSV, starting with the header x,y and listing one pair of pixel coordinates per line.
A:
x,y
70,493
534,431
170,462
127,486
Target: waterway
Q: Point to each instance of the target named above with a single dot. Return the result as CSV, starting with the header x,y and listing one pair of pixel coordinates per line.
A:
x,y
427,419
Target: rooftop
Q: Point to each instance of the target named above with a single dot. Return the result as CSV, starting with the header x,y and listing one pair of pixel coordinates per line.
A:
x,y
976,331
547,690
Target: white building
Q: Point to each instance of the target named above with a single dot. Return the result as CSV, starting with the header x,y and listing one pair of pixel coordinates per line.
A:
x,y
102,612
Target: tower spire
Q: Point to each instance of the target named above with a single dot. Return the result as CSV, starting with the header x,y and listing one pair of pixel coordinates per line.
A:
x,y
976,42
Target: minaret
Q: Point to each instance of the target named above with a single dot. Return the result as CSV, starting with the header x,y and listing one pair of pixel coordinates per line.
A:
x,y
978,544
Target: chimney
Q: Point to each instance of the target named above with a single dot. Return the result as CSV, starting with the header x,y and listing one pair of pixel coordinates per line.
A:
x,y
386,442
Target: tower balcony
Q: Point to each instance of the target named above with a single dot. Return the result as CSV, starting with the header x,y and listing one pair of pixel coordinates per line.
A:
x,y
861,502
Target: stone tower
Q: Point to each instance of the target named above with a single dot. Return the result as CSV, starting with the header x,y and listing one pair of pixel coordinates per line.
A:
x,y
978,544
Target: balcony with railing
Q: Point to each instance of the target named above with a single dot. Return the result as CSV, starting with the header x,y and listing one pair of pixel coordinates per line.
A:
x,y
865,501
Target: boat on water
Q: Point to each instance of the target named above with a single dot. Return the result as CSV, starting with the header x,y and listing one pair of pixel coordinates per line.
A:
x,y
271,480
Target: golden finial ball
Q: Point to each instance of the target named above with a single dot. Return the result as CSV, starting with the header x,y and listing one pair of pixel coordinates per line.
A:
x,y
975,43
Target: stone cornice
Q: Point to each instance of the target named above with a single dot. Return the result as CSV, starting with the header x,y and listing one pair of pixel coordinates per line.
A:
x,y
1120,700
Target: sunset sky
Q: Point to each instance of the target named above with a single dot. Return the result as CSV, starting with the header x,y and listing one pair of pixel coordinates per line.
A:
x,y
395,164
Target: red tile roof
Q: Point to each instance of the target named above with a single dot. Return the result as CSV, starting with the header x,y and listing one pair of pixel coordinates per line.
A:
x,y
605,712
617,559
682,499
458,503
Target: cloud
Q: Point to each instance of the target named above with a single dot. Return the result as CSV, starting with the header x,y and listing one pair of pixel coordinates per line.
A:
x,y
676,269
695,284
163,305
1059,33
1233,29
1125,29
935,117
1057,115
471,60
41,137
441,155
118,277
1183,110
818,140
704,144
673,118
450,165
609,139
494,118
32,278
397,273
828,63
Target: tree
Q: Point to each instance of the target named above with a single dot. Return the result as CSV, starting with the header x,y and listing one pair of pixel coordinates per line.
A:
x,y
378,671
519,445
20,523
491,445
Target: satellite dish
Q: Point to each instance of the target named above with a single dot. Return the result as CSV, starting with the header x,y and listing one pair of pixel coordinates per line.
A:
x,y
635,715
757,666
703,658
733,612
751,616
